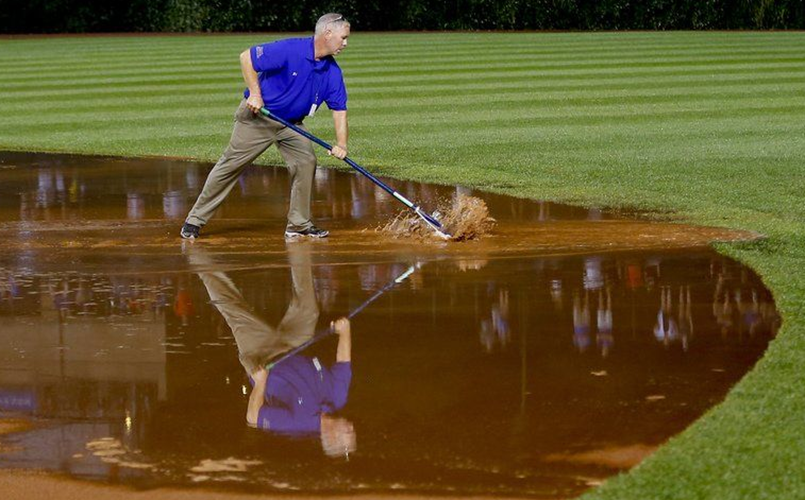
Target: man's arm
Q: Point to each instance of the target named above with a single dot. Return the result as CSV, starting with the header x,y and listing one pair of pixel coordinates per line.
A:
x,y
255,100
343,352
342,370
257,397
341,134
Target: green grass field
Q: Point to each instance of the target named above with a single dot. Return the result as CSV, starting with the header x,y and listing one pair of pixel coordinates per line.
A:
x,y
700,127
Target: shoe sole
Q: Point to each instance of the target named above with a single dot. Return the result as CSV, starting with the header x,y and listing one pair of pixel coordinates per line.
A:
x,y
187,236
297,235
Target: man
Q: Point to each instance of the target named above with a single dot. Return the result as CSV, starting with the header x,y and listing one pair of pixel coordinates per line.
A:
x,y
291,78
300,394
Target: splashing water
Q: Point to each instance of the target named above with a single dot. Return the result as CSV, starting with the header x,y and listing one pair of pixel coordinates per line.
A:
x,y
463,217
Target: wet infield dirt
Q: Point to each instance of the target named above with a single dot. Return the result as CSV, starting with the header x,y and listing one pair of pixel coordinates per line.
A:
x,y
560,349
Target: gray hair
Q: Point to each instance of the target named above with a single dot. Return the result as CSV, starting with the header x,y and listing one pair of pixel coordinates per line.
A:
x,y
328,21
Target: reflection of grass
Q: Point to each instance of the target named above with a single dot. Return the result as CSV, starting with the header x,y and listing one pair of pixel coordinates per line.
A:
x,y
708,125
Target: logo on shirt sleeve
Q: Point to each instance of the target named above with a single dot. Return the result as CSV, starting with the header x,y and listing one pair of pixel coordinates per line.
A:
x,y
259,51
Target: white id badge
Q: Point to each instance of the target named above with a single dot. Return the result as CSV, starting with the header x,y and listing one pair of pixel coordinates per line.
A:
x,y
312,109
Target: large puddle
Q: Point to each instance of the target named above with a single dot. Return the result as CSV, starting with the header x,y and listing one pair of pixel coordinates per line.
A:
x,y
555,352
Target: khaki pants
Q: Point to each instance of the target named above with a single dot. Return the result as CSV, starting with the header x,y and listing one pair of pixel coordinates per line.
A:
x,y
252,135
258,342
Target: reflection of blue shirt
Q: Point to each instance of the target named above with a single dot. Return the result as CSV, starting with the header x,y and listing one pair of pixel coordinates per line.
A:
x,y
299,390
291,79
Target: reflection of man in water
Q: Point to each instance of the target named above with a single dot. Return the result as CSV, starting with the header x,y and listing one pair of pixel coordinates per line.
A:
x,y
298,395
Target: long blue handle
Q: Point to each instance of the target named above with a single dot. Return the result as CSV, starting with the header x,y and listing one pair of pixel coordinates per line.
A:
x,y
326,333
435,224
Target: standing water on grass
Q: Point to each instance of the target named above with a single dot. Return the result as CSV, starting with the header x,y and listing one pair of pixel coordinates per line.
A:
x,y
559,349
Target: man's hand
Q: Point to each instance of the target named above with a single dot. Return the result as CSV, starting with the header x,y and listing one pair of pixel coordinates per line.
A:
x,y
254,102
339,152
341,326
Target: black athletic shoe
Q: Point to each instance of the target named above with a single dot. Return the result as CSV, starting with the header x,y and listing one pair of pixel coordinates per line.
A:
x,y
190,231
311,232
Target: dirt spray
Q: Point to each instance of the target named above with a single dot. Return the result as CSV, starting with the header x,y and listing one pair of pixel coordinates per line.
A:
x,y
463,217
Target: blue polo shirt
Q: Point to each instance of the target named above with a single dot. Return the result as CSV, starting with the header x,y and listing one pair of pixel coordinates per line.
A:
x,y
299,390
291,79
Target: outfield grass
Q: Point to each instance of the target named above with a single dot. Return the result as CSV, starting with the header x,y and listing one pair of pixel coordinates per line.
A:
x,y
702,127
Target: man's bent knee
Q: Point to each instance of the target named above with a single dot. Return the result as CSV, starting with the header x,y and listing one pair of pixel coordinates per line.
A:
x,y
302,164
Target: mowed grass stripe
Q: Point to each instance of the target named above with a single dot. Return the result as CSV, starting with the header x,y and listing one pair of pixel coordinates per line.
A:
x,y
480,68
418,64
442,86
566,73
369,113
704,145
587,84
565,117
752,121
413,60
726,138
10,93
769,83
499,102
111,94
479,121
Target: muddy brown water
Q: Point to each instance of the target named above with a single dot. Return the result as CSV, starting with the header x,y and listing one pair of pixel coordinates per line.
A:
x,y
555,352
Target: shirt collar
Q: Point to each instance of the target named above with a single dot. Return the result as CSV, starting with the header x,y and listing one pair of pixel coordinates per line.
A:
x,y
311,54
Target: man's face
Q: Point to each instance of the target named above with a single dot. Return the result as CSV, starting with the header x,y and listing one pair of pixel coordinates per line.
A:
x,y
337,436
336,39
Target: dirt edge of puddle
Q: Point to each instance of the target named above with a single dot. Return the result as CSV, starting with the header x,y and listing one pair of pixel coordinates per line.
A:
x,y
18,485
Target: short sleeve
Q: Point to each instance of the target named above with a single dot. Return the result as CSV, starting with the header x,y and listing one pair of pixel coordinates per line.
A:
x,y
342,377
284,421
269,57
272,418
